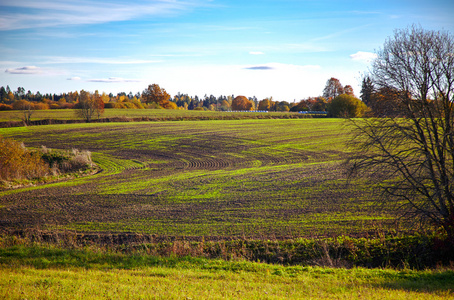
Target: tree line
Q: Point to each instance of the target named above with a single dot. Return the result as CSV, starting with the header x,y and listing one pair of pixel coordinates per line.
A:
x,y
156,97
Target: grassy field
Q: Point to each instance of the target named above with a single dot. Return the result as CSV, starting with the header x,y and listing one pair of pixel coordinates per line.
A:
x,y
216,179
53,273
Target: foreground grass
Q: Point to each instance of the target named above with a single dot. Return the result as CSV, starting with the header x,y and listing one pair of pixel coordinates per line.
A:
x,y
38,272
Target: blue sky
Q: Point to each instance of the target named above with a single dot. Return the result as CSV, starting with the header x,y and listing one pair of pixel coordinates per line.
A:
x,y
286,49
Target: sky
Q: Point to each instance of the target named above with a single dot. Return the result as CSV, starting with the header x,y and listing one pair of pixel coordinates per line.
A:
x,y
285,49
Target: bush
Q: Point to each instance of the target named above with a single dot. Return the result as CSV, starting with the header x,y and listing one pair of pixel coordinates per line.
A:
x,y
18,163
346,106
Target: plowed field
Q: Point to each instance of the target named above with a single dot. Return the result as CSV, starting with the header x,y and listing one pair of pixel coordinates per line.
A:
x,y
216,179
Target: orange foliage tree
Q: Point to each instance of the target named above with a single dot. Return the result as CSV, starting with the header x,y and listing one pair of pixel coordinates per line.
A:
x,y
348,89
241,103
154,93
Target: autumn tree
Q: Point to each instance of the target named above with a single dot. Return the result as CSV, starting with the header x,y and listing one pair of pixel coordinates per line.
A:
x,y
385,102
98,104
266,104
155,94
411,159
318,104
333,88
282,106
311,104
87,106
27,108
348,89
225,105
241,103
72,97
301,106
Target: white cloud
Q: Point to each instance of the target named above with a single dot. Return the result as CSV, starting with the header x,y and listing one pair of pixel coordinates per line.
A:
x,y
256,53
25,70
46,13
113,80
76,78
363,56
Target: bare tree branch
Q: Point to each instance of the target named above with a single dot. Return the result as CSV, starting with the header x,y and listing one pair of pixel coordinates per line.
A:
x,y
411,156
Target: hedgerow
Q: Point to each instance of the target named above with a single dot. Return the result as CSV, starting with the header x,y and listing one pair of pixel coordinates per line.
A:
x,y
393,251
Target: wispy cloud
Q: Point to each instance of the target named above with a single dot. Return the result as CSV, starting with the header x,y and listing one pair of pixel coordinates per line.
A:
x,y
25,70
76,78
259,68
340,33
45,13
256,53
280,67
363,56
113,80
34,70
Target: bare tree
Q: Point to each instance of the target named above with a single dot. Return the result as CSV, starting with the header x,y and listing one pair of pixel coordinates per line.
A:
x,y
412,157
87,106
28,109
